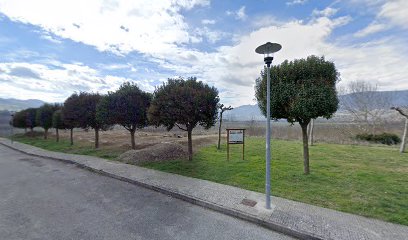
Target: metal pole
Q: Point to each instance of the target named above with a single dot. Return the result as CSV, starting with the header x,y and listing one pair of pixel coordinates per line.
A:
x,y
268,140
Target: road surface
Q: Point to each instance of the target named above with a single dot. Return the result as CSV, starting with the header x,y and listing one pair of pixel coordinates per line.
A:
x,y
47,199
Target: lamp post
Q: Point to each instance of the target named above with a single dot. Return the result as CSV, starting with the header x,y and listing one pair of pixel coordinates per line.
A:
x,y
267,50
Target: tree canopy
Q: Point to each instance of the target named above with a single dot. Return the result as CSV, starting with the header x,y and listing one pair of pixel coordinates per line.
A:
x,y
184,103
44,117
301,90
127,107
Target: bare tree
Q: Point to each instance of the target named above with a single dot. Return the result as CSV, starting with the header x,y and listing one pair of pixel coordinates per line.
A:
x,y
365,104
222,110
403,112
310,134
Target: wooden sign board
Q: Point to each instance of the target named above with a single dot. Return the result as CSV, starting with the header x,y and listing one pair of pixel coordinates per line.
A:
x,y
236,136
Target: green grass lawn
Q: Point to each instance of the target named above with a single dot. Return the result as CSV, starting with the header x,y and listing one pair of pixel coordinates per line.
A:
x,y
83,148
369,181
366,180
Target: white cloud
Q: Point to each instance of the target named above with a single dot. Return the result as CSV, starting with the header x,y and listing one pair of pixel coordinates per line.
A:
x,y
208,21
56,83
374,27
327,12
148,27
239,14
396,12
296,2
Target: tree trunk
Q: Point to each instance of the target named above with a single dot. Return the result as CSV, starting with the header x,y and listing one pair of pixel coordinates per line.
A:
x,y
190,144
31,129
72,136
311,128
219,132
305,149
45,133
132,136
96,137
57,134
404,137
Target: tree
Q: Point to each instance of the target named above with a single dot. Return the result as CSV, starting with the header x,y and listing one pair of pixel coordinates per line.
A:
x,y
301,90
184,103
58,122
365,104
20,119
31,118
127,107
403,112
71,113
222,109
44,117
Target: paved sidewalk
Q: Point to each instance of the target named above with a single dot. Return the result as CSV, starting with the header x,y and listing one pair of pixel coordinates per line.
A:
x,y
293,218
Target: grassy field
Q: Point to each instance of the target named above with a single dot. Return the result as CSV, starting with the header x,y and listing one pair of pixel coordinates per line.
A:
x,y
366,180
83,148
369,181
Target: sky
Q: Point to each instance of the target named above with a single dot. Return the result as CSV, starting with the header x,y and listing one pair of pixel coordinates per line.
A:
x,y
50,49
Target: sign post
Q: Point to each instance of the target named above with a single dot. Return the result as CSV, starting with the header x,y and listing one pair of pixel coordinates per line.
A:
x,y
236,136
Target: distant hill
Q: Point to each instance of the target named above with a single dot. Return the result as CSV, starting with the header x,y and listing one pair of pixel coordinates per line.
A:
x,y
12,104
244,113
396,98
252,112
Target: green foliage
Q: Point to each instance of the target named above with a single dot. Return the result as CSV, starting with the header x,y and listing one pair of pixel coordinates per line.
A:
x,y
80,111
72,111
31,117
184,103
300,90
44,115
57,120
20,119
127,107
384,138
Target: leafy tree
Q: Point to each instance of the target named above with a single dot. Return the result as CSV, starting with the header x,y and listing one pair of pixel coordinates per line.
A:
x,y
82,112
184,103
19,119
31,118
301,90
58,122
44,117
71,113
222,110
127,107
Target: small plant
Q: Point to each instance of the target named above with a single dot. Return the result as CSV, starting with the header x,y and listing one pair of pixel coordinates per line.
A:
x,y
383,138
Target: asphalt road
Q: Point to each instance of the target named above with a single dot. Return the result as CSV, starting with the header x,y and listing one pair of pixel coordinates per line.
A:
x,y
47,199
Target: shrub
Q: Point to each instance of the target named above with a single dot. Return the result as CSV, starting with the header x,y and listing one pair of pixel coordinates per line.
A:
x,y
383,138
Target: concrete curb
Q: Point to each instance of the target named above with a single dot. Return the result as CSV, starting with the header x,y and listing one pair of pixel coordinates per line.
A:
x,y
200,202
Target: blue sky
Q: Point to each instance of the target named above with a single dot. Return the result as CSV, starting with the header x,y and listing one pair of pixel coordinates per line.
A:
x,y
49,49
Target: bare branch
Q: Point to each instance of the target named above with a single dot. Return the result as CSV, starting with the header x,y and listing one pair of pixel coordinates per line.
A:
x,y
184,129
401,111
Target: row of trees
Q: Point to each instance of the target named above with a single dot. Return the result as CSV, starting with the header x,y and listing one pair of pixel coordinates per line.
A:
x,y
178,102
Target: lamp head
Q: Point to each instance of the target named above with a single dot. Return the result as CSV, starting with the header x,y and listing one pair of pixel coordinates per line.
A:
x,y
268,49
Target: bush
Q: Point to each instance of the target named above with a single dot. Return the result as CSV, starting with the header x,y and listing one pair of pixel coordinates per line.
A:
x,y
384,138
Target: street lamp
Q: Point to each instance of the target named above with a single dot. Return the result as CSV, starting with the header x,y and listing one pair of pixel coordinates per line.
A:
x,y
267,50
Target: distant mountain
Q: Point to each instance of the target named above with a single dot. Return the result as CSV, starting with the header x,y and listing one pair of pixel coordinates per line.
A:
x,y
393,98
12,104
244,113
252,112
